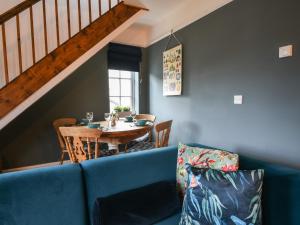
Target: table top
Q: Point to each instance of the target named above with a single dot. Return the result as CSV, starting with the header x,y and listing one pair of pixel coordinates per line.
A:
x,y
122,133
122,127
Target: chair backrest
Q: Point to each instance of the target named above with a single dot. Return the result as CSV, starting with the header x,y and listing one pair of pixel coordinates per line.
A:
x,y
75,137
148,117
62,122
162,134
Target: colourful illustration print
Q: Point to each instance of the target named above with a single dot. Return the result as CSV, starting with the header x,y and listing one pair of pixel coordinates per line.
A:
x,y
172,71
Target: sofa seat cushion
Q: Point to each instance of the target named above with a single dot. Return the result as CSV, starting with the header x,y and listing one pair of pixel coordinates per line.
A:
x,y
141,206
172,220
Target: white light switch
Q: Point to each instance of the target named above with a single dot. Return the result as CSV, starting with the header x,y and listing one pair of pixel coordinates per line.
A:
x,y
286,51
238,99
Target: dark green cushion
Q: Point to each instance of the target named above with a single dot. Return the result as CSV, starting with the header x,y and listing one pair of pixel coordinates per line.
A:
x,y
47,196
111,175
142,206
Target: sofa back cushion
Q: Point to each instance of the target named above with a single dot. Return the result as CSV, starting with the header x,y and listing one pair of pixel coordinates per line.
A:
x,y
46,196
111,175
217,197
202,158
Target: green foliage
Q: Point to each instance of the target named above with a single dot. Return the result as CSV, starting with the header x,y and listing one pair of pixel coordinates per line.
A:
x,y
118,109
126,108
121,109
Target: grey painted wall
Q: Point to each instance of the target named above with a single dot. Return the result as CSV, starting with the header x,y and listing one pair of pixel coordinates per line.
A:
x,y
235,51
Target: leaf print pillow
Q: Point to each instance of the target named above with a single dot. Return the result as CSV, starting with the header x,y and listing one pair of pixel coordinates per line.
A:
x,y
202,158
215,197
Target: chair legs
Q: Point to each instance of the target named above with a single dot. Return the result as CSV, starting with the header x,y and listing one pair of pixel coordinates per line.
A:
x,y
150,136
62,156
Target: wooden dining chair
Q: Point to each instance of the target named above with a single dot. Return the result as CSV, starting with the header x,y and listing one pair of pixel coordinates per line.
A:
x,y
62,122
162,134
147,137
81,142
148,117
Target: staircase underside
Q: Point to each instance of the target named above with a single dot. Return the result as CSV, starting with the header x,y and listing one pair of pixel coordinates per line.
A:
x,y
46,69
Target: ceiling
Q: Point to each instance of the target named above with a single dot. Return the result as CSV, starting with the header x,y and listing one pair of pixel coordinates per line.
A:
x,y
164,16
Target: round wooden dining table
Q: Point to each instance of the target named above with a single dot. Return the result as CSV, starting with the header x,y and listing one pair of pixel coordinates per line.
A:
x,y
122,133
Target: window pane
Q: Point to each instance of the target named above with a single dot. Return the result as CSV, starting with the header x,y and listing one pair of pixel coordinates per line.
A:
x,y
114,87
114,73
113,102
126,87
126,74
126,101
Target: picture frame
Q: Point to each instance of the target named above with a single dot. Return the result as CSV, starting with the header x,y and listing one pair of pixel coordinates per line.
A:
x,y
172,71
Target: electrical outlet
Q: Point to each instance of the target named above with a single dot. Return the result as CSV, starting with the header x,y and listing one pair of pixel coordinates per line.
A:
x,y
238,99
286,51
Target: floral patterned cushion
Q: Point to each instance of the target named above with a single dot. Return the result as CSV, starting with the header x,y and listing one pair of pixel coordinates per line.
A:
x,y
214,197
202,158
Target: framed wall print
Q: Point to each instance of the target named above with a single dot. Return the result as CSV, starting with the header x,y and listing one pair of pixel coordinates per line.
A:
x,y
172,71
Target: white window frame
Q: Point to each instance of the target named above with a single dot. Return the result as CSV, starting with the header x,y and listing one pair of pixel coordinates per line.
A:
x,y
134,88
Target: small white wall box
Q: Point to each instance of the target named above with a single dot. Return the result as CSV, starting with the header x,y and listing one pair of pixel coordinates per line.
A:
x,y
286,51
238,99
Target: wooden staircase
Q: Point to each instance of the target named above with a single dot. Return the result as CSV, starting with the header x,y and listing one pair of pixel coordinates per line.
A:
x,y
27,82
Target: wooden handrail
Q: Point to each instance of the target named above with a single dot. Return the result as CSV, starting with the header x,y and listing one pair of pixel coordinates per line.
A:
x,y
16,10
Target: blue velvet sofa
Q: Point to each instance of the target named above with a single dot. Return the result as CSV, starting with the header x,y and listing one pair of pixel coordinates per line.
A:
x,y
63,195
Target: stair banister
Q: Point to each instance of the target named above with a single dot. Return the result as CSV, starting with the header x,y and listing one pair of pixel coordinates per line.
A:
x,y
28,5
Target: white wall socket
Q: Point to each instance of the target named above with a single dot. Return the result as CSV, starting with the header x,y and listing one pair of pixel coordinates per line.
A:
x,y
238,99
286,51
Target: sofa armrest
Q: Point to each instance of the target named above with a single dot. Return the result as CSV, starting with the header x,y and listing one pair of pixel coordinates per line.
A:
x,y
281,192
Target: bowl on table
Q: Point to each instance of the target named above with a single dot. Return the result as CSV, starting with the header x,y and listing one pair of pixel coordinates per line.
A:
x,y
141,122
129,119
94,125
84,122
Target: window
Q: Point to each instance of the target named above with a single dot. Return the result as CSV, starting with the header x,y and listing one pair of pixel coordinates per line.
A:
x,y
123,89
